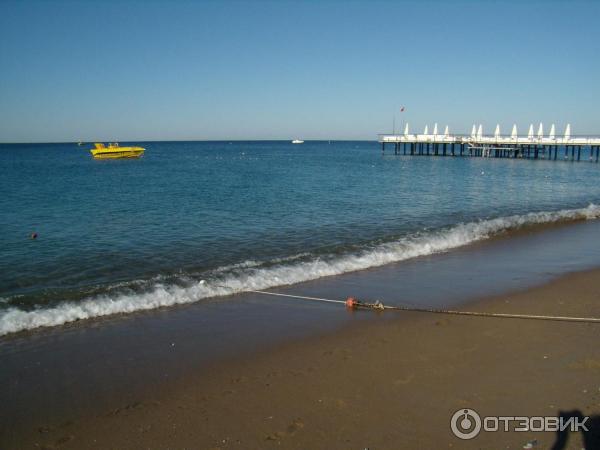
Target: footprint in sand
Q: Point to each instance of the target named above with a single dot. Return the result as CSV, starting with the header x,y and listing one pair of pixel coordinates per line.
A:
x,y
588,363
63,440
340,403
291,430
277,436
404,380
296,425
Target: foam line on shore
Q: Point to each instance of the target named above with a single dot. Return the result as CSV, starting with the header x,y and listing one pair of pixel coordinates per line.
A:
x,y
293,270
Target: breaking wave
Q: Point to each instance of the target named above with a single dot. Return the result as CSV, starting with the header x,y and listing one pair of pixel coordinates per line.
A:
x,y
252,275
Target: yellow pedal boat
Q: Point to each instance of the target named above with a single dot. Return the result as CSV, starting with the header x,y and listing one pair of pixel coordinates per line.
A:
x,y
114,151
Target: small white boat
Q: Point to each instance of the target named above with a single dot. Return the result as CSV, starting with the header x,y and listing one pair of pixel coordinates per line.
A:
x,y
297,141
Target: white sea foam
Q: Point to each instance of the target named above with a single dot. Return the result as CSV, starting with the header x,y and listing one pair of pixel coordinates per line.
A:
x,y
251,276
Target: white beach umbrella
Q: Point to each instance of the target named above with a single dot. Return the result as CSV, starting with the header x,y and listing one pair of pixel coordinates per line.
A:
x,y
541,130
568,132
552,132
497,131
406,129
530,132
514,132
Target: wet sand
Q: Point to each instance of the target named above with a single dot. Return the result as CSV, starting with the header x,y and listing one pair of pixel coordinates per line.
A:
x,y
378,384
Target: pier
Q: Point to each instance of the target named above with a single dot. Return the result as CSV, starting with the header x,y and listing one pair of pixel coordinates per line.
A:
x,y
532,146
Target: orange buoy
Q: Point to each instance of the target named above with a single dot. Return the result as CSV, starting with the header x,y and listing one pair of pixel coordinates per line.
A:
x,y
351,303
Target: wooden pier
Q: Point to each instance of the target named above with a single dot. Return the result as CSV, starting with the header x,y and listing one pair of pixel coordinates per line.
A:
x,y
477,144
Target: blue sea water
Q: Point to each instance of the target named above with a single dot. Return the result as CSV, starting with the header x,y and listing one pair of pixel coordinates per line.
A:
x,y
192,220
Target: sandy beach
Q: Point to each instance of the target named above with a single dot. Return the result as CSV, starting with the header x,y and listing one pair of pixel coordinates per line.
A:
x,y
383,384
299,225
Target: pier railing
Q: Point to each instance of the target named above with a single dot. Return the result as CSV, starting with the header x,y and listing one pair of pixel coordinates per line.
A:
x,y
467,139
477,144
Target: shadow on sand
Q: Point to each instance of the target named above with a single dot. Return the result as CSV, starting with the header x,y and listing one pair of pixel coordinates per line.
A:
x,y
591,438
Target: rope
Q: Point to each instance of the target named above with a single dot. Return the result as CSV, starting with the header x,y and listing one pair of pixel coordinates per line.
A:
x,y
498,315
379,306
318,299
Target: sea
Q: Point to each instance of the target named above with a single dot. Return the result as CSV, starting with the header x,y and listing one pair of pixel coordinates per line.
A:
x,y
192,221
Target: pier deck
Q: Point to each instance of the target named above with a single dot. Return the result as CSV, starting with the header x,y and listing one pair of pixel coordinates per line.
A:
x,y
495,146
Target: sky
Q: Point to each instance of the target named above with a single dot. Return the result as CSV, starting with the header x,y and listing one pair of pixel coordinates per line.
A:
x,y
152,70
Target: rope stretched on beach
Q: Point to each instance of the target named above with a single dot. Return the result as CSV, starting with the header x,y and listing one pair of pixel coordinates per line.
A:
x,y
355,304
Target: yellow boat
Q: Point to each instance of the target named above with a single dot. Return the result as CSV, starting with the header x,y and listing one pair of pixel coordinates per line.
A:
x,y
114,151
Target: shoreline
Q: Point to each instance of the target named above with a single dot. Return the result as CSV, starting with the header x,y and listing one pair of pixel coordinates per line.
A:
x,y
377,384
80,315
60,383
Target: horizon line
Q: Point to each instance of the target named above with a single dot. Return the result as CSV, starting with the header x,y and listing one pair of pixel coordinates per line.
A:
x,y
186,140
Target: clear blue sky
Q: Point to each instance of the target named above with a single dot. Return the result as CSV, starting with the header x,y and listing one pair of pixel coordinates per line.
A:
x,y
267,70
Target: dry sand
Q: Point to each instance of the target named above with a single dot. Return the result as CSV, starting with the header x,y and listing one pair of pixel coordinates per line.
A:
x,y
390,384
